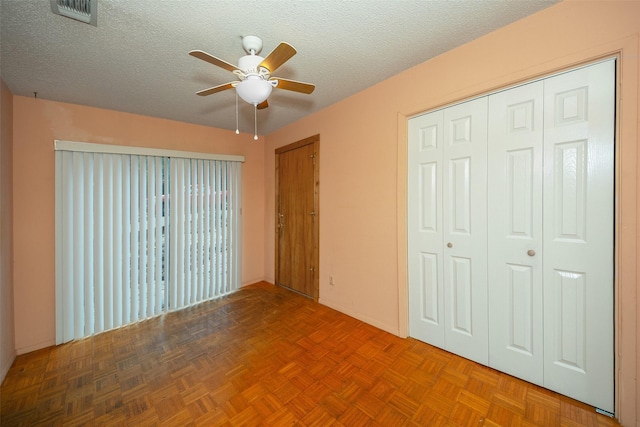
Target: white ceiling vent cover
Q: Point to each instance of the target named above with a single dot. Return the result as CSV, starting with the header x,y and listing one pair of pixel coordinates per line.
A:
x,y
81,10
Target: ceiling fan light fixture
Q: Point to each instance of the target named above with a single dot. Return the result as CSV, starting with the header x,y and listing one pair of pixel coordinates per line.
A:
x,y
254,90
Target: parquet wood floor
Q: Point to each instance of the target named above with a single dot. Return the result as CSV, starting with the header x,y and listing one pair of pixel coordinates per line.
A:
x,y
265,356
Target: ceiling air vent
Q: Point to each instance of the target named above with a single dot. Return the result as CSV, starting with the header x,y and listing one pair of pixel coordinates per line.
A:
x,y
81,10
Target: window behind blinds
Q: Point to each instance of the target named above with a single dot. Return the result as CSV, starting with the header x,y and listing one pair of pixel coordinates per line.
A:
x,y
138,235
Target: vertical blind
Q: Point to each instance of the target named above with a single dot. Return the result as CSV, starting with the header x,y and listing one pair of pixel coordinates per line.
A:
x,y
138,235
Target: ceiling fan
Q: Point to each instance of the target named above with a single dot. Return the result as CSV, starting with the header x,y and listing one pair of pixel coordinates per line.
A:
x,y
255,80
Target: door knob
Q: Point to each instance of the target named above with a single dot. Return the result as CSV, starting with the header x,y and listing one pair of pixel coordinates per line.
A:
x,y
449,245
531,252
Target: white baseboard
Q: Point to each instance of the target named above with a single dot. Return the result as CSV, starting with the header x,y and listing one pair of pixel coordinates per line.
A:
x,y
5,368
35,347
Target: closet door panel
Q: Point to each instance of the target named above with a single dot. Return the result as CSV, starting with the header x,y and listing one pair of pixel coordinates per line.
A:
x,y
578,234
465,232
515,231
424,222
459,283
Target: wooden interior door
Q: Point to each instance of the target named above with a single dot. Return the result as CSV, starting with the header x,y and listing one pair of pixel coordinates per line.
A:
x,y
297,216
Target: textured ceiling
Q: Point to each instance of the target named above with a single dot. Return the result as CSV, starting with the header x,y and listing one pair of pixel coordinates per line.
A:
x,y
136,59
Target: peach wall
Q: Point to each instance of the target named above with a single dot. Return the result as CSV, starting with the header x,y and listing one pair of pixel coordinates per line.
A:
x,y
7,338
37,123
363,163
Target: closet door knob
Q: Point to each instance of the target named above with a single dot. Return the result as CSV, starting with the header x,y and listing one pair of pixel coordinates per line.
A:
x,y
531,252
449,245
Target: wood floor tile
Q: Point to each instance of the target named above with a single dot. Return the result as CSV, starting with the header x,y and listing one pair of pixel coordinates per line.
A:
x,y
265,356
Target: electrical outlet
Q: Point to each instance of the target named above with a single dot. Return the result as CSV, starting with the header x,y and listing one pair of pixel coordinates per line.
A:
x,y
331,280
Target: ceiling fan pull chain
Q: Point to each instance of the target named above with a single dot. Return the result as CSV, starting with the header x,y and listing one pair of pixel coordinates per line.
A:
x,y
237,130
255,122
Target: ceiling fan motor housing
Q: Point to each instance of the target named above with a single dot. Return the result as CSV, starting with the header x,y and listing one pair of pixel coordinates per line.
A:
x,y
249,64
255,86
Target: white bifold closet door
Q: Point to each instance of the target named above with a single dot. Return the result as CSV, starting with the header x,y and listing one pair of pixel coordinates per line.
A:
x,y
548,183
449,254
515,231
578,242
550,248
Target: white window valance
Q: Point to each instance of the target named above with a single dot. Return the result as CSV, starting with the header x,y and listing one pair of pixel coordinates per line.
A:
x,y
89,147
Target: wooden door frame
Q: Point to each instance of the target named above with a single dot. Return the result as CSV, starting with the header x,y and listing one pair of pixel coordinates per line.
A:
x,y
315,140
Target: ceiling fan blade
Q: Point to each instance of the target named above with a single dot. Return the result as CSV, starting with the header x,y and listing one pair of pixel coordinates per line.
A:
x,y
294,85
213,60
264,104
216,89
278,56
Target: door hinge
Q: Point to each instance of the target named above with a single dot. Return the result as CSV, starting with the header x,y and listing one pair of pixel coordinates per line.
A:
x,y
280,221
313,158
